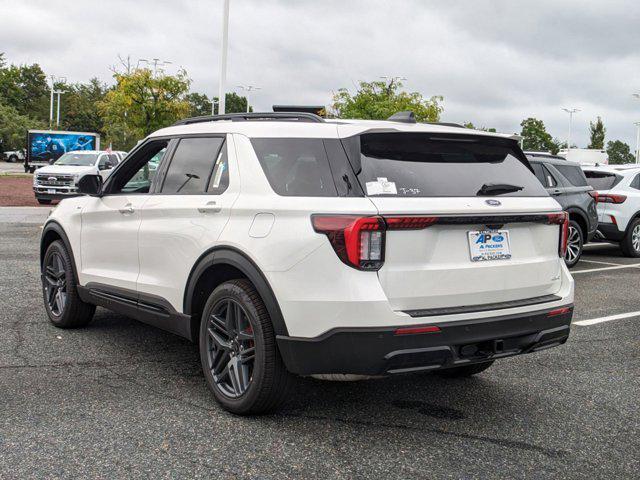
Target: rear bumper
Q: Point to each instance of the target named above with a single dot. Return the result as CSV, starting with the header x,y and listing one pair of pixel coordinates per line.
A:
x,y
610,231
378,351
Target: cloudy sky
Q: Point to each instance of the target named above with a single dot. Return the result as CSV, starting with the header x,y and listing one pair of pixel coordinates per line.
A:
x,y
494,61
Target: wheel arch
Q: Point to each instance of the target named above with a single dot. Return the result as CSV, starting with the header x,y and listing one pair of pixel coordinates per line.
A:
x,y
578,215
51,232
218,265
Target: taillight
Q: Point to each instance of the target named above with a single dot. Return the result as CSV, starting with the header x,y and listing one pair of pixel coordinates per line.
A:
x,y
561,219
358,241
594,194
610,198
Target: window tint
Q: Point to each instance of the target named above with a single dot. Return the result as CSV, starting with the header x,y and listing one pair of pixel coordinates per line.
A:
x,y
296,166
430,165
191,165
220,177
539,171
113,158
551,179
142,179
602,180
573,173
636,182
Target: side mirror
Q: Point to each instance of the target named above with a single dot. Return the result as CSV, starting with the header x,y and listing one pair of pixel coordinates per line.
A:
x,y
90,185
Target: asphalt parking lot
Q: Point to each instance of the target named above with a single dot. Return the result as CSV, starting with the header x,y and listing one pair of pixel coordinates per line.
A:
x,y
122,399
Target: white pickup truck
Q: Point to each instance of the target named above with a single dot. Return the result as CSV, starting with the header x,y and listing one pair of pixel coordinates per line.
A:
x,y
13,156
58,181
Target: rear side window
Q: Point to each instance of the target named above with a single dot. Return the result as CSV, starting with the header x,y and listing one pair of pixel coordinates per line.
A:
x,y
296,166
544,175
191,165
573,173
436,165
602,180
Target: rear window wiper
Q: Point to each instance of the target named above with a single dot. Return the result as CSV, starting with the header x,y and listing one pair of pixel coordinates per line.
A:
x,y
498,189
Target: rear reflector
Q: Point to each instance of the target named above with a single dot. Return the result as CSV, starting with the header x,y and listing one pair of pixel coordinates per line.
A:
x,y
559,311
417,330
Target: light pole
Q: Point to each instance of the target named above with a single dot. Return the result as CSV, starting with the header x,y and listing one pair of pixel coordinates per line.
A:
x,y
637,124
58,92
155,62
570,111
248,89
54,79
223,57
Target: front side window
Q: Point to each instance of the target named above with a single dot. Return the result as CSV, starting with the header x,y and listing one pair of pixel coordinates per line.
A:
x,y
138,173
438,165
192,164
296,166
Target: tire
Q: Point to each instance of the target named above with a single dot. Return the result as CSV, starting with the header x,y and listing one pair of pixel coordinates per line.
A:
x,y
630,244
44,201
12,159
575,244
464,370
64,307
246,347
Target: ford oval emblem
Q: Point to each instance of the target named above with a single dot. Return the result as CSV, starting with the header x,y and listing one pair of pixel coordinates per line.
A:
x,y
493,203
52,179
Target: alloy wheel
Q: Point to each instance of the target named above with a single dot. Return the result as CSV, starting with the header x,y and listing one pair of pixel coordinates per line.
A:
x,y
55,284
230,347
635,238
573,245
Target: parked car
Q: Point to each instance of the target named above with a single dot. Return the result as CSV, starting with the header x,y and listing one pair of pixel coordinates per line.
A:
x,y
566,183
618,200
13,156
287,244
58,181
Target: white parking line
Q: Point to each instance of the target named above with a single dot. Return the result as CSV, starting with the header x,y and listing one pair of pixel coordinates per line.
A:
x,y
594,321
633,265
599,262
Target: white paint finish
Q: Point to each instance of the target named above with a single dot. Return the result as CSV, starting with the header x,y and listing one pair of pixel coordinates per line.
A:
x,y
109,239
261,225
176,230
595,321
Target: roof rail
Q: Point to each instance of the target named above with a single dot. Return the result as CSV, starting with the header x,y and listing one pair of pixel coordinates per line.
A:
x,y
254,116
447,124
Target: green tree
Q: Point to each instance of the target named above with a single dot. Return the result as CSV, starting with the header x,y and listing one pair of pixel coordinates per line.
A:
x,y
79,106
619,153
597,133
25,89
473,127
535,136
234,103
379,100
199,104
13,128
141,103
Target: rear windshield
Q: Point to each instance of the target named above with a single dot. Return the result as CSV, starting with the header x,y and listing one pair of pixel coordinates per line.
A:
x,y
429,165
602,180
573,173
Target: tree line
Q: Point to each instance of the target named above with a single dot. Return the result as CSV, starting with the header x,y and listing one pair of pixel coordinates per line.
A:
x,y
142,100
139,102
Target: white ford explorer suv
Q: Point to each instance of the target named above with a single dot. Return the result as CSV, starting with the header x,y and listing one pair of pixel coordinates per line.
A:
x,y
617,193
58,181
285,244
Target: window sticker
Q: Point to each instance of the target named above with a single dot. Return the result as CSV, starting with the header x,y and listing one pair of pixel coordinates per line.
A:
x,y
381,186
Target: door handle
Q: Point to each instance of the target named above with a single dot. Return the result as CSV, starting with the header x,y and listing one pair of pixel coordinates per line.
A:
x,y
556,192
210,207
128,209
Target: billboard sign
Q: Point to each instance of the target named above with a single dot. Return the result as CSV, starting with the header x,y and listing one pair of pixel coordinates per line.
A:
x,y
46,146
